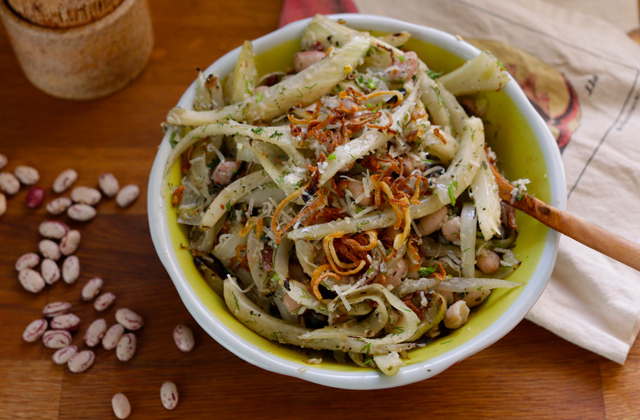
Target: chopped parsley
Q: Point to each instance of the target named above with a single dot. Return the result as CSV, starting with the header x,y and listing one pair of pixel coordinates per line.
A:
x,y
426,271
452,196
331,157
433,74
257,130
276,134
172,139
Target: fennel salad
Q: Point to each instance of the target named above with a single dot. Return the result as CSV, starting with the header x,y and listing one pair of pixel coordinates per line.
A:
x,y
346,204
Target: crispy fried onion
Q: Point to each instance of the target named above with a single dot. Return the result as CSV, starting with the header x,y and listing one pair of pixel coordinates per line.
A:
x,y
318,202
319,274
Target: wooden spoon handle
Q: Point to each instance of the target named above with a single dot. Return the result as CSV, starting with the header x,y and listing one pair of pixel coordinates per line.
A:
x,y
587,234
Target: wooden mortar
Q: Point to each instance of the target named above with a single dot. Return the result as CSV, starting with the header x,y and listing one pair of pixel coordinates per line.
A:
x,y
89,55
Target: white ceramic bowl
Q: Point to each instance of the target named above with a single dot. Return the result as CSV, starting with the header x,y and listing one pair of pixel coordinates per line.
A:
x,y
260,352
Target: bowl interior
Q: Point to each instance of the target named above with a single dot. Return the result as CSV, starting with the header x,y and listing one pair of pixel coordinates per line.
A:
x,y
520,155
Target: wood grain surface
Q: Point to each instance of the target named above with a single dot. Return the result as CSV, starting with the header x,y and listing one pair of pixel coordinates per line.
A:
x,y
530,373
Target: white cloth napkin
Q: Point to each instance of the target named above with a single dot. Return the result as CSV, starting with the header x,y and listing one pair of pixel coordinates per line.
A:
x,y
591,300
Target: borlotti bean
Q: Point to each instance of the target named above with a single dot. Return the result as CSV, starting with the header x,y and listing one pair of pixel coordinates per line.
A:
x,y
50,271
34,330
56,308
126,347
95,332
82,361
104,301
29,260
127,195
64,180
49,249
70,242
3,204
31,280
108,184
121,406
9,184
69,322
56,339
53,229
71,269
86,195
26,174
81,212
92,288
183,337
129,319
59,205
63,355
112,337
3,161
34,198
169,395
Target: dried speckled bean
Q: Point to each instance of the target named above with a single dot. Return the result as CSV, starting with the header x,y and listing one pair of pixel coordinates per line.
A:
x,y
127,195
104,301
3,204
29,260
86,195
34,198
26,174
112,337
64,180
169,395
49,249
126,347
129,319
81,361
3,161
63,355
50,271
95,332
92,288
183,337
121,406
9,184
53,229
81,212
56,308
31,280
108,184
69,322
71,269
34,330
56,339
59,205
70,243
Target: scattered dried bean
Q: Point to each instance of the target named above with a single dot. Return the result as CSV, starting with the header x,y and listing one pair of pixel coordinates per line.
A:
x,y
29,260
49,249
63,355
86,195
127,195
108,184
26,174
121,406
53,229
126,347
70,243
3,204
169,395
95,332
56,308
56,339
183,337
71,269
64,180
92,288
31,280
81,212
59,205
34,198
112,336
69,322
34,330
129,319
3,161
9,184
50,271
82,361
104,301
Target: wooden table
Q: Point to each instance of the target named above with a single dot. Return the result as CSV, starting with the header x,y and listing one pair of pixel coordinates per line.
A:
x,y
530,373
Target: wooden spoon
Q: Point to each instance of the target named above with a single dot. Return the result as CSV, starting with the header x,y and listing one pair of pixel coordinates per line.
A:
x,y
587,234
